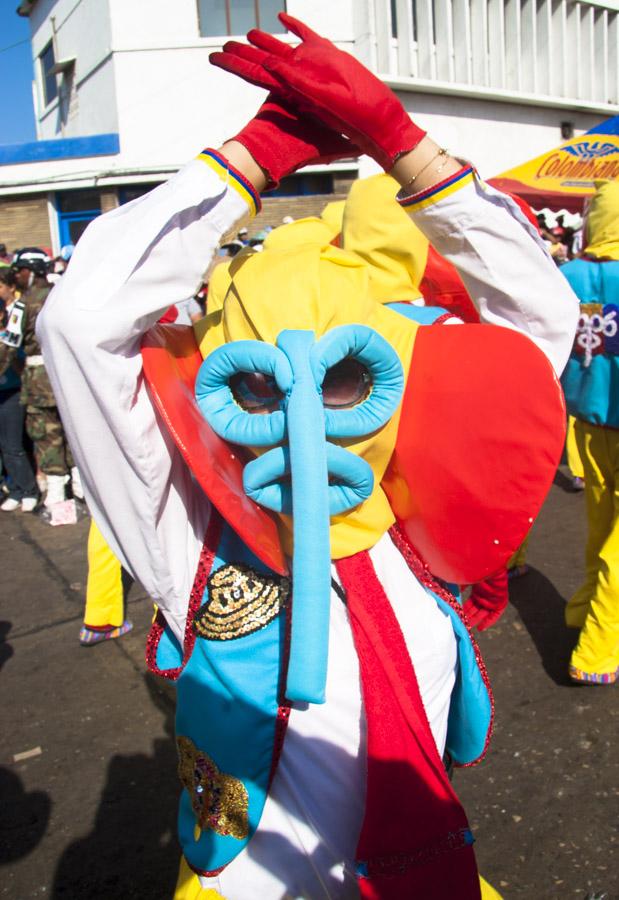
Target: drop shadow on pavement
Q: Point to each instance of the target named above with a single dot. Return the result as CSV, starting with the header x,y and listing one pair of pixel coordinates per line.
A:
x,y
132,851
6,651
23,817
565,482
541,609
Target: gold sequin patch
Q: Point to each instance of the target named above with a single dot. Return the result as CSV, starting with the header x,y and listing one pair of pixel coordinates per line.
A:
x,y
241,601
219,801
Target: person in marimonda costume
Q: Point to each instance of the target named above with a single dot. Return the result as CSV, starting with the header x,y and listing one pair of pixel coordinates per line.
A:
x,y
321,667
591,384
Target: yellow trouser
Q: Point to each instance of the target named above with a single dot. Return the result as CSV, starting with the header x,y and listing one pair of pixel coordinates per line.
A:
x,y
519,558
104,589
188,887
595,606
574,461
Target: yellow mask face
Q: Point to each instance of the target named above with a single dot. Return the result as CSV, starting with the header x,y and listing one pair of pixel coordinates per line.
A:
x,y
602,227
378,231
315,288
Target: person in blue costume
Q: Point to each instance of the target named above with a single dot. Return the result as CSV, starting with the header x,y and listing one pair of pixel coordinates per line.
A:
x,y
287,478
591,384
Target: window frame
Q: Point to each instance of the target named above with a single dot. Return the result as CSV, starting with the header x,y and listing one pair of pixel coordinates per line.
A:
x,y
47,76
228,16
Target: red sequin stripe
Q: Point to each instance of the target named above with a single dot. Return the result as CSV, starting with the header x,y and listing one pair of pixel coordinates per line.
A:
x,y
444,317
425,577
203,873
283,711
205,564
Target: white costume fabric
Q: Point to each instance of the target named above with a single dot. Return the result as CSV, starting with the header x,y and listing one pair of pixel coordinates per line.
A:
x,y
129,265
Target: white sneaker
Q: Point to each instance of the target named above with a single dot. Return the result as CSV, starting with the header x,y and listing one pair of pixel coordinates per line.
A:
x,y
29,504
55,489
10,505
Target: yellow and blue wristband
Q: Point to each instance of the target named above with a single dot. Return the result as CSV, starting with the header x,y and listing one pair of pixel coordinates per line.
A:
x,y
233,178
438,191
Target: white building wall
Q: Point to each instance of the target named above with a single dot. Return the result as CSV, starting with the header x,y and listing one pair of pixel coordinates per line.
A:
x,y
171,101
494,136
142,70
86,103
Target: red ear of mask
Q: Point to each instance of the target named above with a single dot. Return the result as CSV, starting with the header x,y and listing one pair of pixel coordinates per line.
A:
x,y
441,285
171,361
481,434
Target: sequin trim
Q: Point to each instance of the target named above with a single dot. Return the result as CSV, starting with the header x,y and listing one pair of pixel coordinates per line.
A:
x,y
444,317
205,873
425,577
283,712
398,863
205,564
241,600
220,802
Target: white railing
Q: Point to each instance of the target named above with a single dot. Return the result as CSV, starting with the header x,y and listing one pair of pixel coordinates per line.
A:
x,y
566,49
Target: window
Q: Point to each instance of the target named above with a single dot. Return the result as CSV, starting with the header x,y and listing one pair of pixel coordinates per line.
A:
x,y
225,17
76,210
48,77
127,194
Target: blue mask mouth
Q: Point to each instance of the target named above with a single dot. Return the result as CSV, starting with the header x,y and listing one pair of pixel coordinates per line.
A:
x,y
346,385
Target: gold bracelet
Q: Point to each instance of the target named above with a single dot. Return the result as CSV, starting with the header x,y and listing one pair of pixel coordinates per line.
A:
x,y
441,152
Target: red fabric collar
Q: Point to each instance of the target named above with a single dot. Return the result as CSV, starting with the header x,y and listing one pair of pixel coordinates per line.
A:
x,y
415,839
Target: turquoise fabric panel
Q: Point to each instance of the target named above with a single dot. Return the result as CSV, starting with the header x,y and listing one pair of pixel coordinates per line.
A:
x,y
593,282
227,705
169,652
470,713
592,392
591,383
423,315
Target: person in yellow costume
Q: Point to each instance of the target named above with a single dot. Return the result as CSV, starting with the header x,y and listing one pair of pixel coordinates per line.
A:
x,y
591,384
574,462
104,615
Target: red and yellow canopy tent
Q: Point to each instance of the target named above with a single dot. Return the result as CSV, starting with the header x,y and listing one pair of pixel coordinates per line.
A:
x,y
564,177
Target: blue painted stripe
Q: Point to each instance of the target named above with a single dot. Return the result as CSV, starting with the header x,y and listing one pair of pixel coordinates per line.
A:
x,y
61,148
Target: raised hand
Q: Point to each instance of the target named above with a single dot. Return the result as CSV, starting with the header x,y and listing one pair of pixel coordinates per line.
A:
x,y
281,141
328,84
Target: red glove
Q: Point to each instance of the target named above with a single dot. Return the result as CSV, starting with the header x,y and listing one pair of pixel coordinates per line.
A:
x,y
281,141
488,601
327,83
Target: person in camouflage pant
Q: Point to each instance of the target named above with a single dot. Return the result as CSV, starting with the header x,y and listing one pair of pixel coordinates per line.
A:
x,y
43,424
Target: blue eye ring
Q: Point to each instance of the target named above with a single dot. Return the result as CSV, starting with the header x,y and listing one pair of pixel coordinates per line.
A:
x,y
366,346
216,401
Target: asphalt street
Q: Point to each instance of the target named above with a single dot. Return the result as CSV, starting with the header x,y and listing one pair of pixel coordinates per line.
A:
x,y
90,811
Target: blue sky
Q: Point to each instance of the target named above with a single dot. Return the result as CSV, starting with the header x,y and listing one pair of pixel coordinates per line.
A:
x,y
15,76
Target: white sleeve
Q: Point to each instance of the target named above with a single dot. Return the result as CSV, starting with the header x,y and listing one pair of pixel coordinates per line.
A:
x,y
127,269
501,259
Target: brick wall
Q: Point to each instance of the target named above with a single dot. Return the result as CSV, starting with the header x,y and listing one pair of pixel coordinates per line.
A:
x,y
24,221
109,199
274,209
